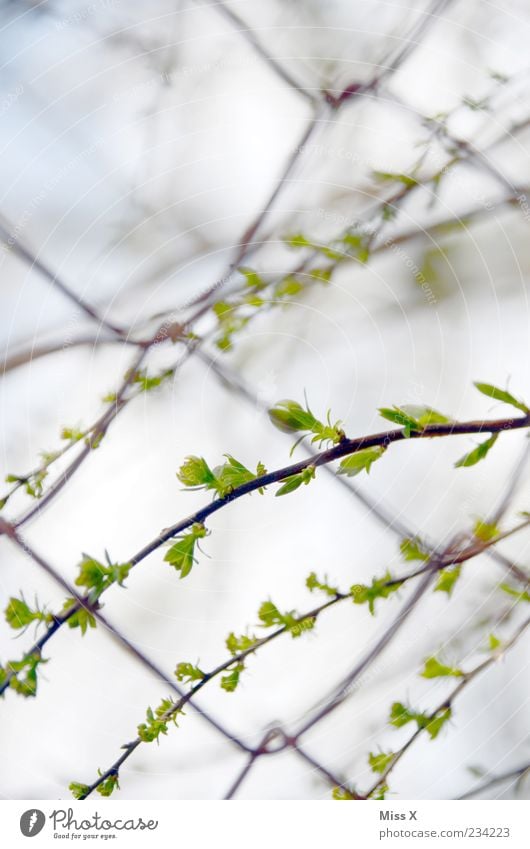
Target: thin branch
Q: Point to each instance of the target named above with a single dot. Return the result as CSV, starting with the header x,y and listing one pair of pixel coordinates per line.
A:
x,y
513,776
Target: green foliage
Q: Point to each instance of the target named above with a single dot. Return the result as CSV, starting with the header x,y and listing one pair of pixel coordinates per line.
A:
x,y
497,394
147,382
313,583
518,595
181,555
236,645
230,682
78,790
33,483
82,618
401,715
485,531
97,577
434,669
293,482
381,761
187,672
393,177
290,417
379,588
447,580
72,434
195,473
270,616
157,721
494,643
360,461
108,785
413,418
478,453
342,794
413,549
19,615
24,674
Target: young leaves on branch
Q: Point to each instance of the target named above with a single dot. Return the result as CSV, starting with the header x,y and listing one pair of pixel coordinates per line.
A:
x,y
270,616
188,673
434,669
293,482
381,761
413,418
290,417
157,721
360,461
478,453
195,473
22,674
400,715
503,395
19,615
181,555
379,588
313,583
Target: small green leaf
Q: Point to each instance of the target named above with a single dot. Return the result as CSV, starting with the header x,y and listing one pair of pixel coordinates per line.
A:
x,y
493,642
195,472
187,672
109,785
434,669
501,395
518,595
313,583
290,417
391,176
360,461
485,531
400,417
436,723
230,682
19,615
235,645
447,580
413,549
292,483
342,794
77,790
181,554
381,761
380,588
478,453
81,619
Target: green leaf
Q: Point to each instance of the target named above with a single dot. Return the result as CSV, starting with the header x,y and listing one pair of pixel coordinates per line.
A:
x,y
24,671
252,278
434,669
424,415
342,794
181,555
501,395
360,461
381,761
401,715
413,549
436,723
82,618
293,482
290,417
447,580
19,615
230,682
478,453
400,417
157,721
109,785
235,645
493,642
393,177
196,472
98,577
519,595
187,672
380,588
77,790
288,287
313,583
485,531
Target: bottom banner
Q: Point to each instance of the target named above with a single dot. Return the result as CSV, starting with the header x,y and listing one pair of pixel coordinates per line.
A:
x,y
261,824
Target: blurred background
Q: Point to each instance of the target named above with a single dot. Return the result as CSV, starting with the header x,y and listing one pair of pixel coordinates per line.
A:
x,y
139,142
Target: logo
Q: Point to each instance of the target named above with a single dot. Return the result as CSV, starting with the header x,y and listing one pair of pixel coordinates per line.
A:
x,y
32,822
